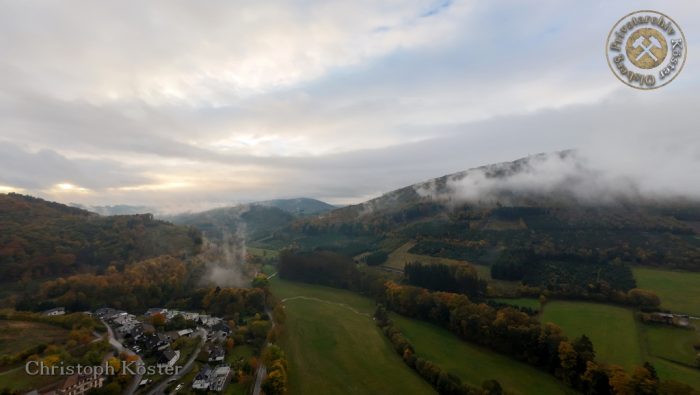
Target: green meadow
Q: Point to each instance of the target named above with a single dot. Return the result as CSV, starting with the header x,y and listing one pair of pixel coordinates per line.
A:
x,y
619,339
679,291
612,329
334,347
474,364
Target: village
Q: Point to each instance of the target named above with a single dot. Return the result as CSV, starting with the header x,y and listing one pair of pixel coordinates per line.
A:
x,y
162,338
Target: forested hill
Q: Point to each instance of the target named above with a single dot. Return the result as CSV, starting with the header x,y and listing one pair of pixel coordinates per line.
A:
x,y
41,239
549,207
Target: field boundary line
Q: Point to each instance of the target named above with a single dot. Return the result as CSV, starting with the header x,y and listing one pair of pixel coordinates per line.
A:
x,y
354,310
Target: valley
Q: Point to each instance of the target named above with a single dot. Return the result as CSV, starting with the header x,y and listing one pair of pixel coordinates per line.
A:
x,y
408,293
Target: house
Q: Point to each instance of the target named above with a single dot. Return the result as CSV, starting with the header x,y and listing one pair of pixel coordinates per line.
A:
x,y
682,321
217,354
189,316
155,342
208,321
185,332
55,311
107,313
201,381
123,319
221,327
134,332
168,358
80,384
148,328
172,335
220,379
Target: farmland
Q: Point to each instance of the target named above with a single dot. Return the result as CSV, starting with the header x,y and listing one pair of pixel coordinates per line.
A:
x,y
612,329
18,336
621,340
679,291
399,257
334,347
674,344
474,364
22,336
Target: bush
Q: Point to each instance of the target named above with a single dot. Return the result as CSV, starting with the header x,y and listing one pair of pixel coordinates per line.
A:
x,y
376,258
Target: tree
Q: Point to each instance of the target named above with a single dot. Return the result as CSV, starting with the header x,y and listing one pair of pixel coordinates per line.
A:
x,y
492,387
569,360
381,315
643,298
584,349
643,381
620,381
158,320
595,380
376,258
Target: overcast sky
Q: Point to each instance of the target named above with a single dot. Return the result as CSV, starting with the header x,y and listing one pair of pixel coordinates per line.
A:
x,y
199,103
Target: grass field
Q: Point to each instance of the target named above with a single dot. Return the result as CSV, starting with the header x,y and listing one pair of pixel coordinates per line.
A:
x,y
17,380
612,329
400,256
522,302
16,336
474,364
618,338
672,371
679,291
675,344
262,252
334,347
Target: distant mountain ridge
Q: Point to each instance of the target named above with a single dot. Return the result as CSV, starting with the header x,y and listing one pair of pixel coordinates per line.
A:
x,y
118,209
556,204
42,239
252,220
298,206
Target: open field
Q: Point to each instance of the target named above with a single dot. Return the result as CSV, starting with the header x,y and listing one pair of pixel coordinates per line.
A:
x,y
673,371
612,329
679,291
474,364
618,338
334,347
522,302
400,256
19,381
675,344
262,252
17,336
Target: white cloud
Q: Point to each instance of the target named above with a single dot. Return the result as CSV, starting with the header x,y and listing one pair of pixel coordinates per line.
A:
x,y
167,102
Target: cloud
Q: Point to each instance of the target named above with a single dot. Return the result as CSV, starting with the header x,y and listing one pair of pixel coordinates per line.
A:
x,y
46,169
181,104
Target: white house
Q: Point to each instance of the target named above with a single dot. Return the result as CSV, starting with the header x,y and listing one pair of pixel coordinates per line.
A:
x,y
55,311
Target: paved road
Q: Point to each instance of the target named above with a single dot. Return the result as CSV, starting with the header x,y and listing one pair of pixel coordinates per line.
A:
x,y
262,369
117,345
160,388
261,372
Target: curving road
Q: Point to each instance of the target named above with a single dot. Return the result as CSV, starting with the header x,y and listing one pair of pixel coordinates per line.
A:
x,y
119,347
160,388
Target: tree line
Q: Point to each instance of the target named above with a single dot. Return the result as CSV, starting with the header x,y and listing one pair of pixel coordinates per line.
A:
x,y
461,278
42,239
511,332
